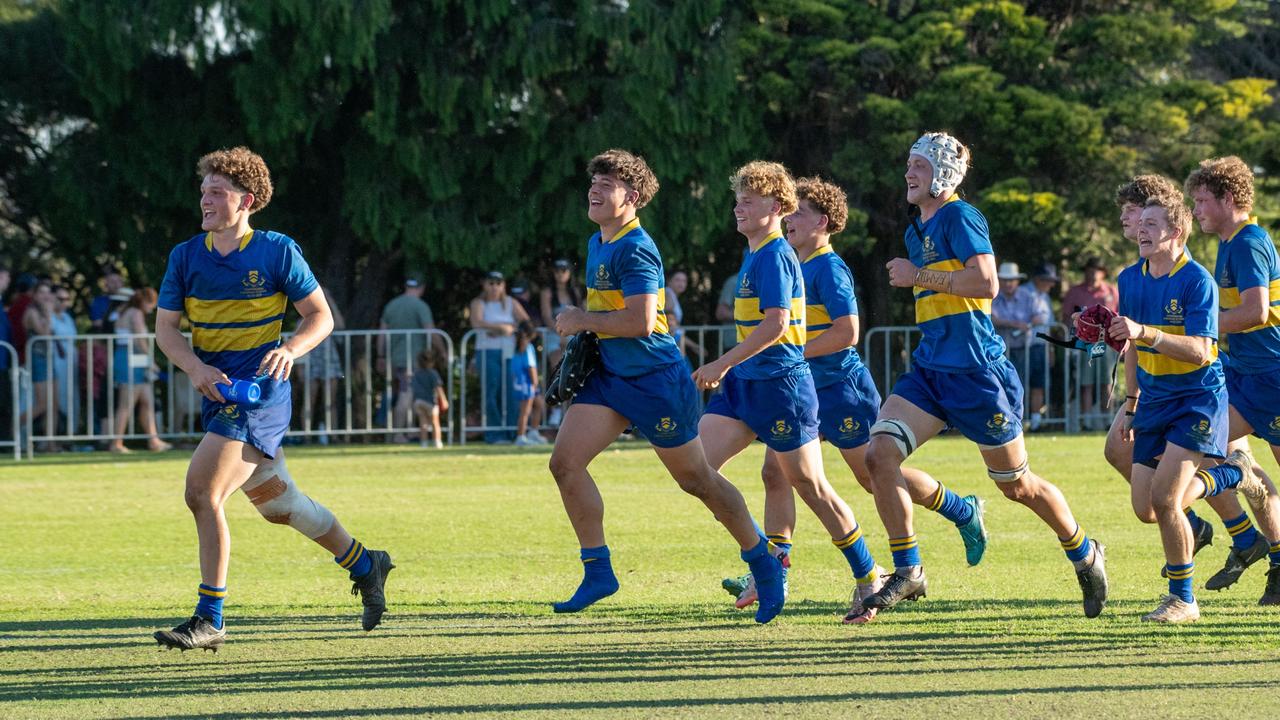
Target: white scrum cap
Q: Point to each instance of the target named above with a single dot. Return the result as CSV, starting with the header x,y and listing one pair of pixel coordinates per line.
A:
x,y
944,153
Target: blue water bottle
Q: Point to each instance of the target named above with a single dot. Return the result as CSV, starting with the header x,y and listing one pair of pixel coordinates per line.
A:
x,y
245,392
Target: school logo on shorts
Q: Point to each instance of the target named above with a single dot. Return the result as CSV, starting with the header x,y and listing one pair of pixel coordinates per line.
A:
x,y
666,427
1275,424
997,424
1173,312
780,430
1201,430
227,415
849,426
254,284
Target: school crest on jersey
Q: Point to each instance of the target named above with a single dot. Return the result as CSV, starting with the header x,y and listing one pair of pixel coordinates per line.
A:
x,y
254,284
744,287
928,250
603,282
1173,312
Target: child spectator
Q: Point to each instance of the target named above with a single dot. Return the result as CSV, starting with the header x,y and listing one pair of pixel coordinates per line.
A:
x,y
429,399
524,385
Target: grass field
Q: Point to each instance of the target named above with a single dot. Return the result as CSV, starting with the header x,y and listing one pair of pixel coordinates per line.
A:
x,y
102,552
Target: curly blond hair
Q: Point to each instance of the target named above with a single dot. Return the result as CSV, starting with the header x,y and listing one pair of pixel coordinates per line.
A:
x,y
827,199
246,170
1224,175
1144,187
1176,210
630,169
767,179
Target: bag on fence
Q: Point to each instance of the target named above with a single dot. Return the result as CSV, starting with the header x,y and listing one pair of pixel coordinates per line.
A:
x,y
581,358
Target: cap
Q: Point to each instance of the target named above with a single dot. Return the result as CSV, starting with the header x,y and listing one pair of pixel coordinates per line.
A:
x,y
1009,271
518,286
563,264
413,280
1047,271
495,275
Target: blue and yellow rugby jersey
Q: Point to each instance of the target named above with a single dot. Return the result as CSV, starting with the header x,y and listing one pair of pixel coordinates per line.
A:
x,y
1248,260
625,265
1184,302
957,334
771,278
236,303
828,295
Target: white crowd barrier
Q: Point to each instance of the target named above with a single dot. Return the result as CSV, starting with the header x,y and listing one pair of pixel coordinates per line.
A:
x,y
11,385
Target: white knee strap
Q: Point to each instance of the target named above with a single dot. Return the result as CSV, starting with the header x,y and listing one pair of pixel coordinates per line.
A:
x,y
897,431
1008,476
276,497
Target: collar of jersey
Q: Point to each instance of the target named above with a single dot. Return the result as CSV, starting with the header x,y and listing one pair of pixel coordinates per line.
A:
x,y
1177,265
825,249
1253,220
635,223
244,241
775,235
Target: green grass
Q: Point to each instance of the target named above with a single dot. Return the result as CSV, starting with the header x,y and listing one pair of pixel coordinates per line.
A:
x,y
101,551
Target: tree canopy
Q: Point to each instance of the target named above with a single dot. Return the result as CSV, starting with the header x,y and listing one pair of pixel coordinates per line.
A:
x,y
451,136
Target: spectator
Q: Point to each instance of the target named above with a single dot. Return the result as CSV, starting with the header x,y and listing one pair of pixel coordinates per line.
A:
x,y
1017,312
525,389
100,310
1094,290
64,356
323,370
134,373
560,294
37,325
405,312
677,283
724,313
496,315
429,398
523,293
6,384
23,290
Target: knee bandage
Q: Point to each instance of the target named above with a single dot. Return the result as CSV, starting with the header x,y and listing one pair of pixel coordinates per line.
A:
x,y
1008,476
899,432
276,497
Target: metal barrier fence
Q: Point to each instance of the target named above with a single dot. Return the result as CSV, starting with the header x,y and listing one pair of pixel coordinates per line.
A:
x,y
96,388
90,389
11,385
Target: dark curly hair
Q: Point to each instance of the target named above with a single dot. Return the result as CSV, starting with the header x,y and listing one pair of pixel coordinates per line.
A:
x,y
1145,187
630,169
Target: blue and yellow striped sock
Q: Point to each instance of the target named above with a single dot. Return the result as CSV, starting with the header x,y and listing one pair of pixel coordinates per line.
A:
x,y
598,580
209,604
906,551
1219,478
355,560
1275,554
951,506
855,551
1180,580
1077,546
781,542
1196,521
1243,533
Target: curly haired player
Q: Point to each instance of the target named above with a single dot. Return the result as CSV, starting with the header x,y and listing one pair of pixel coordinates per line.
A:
x,y
232,282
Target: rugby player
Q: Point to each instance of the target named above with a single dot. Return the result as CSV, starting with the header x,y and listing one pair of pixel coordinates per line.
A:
x,y
1178,414
847,397
1248,279
1247,545
233,282
959,377
643,381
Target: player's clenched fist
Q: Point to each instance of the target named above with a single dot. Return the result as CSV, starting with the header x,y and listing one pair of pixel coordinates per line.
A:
x,y
709,376
1122,328
902,272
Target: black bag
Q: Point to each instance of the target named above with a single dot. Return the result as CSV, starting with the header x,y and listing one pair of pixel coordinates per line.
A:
x,y
581,358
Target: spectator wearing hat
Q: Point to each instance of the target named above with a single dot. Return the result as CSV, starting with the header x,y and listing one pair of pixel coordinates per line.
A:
x,y
1018,311
558,295
406,311
1094,290
496,314
522,291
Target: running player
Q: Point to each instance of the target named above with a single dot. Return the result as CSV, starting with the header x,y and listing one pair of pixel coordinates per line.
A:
x,y
1247,544
233,282
643,382
766,386
1248,278
1178,414
959,377
847,397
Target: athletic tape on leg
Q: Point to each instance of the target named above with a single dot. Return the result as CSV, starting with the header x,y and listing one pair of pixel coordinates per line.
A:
x,y
897,431
1009,475
278,499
